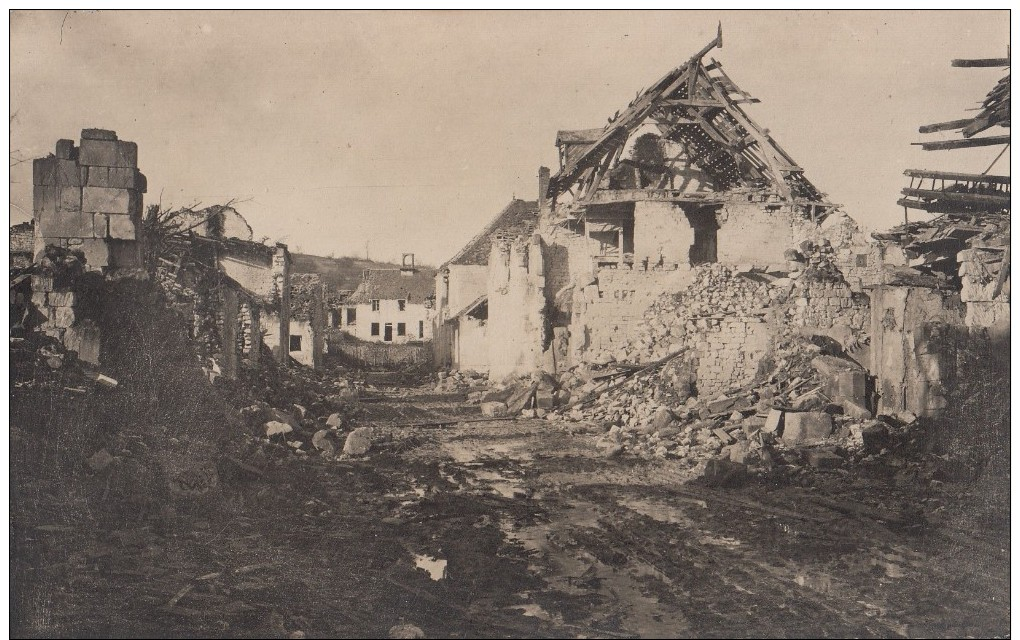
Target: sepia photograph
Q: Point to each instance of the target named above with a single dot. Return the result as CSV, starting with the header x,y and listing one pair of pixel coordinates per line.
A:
x,y
509,324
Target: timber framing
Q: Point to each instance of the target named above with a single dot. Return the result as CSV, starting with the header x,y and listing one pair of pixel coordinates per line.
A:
x,y
696,106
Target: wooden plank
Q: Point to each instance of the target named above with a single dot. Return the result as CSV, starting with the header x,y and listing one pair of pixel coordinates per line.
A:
x,y
952,196
945,145
944,126
1003,273
960,177
981,62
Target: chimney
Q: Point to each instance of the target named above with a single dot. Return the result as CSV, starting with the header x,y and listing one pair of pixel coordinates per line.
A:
x,y
543,187
407,264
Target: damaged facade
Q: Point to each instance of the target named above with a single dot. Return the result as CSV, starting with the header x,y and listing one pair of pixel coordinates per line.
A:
x,y
681,193
88,214
949,273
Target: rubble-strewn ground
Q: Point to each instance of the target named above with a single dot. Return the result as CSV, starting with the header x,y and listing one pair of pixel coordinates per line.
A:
x,y
542,536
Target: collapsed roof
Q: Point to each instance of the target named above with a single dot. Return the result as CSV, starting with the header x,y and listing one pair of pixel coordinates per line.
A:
x,y
697,106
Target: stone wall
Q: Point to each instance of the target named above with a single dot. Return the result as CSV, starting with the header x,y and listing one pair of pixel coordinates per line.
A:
x,y
905,355
756,233
517,323
662,235
729,353
608,314
89,198
985,293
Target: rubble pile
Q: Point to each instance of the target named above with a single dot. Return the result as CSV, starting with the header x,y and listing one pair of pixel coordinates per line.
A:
x,y
460,381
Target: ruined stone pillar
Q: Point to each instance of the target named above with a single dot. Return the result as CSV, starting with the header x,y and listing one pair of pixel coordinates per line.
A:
x,y
89,198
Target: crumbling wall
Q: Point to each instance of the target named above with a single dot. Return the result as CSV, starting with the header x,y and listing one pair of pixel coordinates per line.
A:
x,y
662,235
89,198
757,233
517,322
466,283
729,354
608,314
985,289
905,356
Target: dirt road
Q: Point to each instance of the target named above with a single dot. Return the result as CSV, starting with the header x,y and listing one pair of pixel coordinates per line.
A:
x,y
518,529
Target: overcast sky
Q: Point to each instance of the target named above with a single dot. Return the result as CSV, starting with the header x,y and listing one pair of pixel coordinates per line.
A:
x,y
406,132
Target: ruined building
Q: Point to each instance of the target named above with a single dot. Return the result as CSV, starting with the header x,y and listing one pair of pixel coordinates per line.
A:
x,y
88,214
678,180
946,272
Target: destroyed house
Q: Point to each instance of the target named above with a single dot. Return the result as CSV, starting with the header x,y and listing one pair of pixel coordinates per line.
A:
x,y
392,305
679,178
950,270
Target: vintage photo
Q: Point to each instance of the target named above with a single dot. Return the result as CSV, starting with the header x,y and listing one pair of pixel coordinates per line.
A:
x,y
509,324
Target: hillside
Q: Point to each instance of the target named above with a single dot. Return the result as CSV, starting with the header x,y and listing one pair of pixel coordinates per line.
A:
x,y
337,273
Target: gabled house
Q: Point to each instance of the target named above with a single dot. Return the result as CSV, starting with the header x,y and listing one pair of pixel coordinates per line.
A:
x,y
680,177
462,289
392,305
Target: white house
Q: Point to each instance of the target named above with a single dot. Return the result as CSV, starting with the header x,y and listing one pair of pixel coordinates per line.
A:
x,y
392,305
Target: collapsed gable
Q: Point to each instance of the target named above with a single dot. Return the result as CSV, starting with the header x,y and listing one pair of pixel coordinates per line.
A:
x,y
691,117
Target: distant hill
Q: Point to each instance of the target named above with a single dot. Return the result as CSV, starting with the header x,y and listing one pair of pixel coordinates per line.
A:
x,y
338,273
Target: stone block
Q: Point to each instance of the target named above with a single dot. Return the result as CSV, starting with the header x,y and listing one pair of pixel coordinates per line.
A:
x,y
61,299
106,200
44,172
39,298
854,409
116,178
98,134
44,200
544,399
65,149
69,199
83,338
493,409
68,173
807,426
68,224
101,225
97,253
108,153
122,227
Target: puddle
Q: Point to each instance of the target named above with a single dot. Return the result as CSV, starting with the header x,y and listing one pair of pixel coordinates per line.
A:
x,y
657,511
534,611
435,567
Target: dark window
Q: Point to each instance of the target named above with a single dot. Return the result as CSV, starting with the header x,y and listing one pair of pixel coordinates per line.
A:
x,y
352,315
401,329
375,305
334,318
401,305
388,333
295,343
375,328
421,328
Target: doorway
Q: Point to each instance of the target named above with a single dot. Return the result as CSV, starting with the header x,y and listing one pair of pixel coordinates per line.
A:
x,y
388,332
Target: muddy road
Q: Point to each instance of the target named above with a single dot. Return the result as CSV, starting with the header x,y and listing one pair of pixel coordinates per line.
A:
x,y
516,529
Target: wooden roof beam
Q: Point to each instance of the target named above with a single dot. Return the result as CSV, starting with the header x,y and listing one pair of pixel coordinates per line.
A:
x,y
982,62
959,196
945,126
959,177
945,145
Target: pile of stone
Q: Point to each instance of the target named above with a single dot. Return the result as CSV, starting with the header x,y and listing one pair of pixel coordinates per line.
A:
x,y
460,381
805,406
